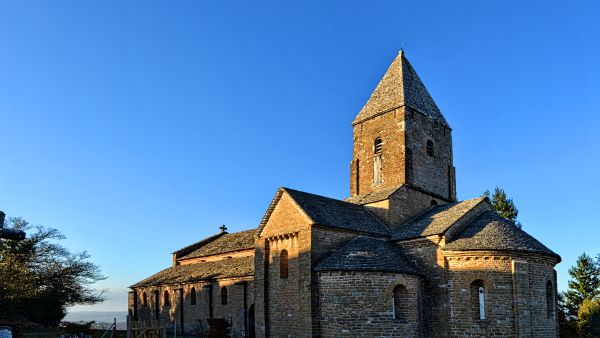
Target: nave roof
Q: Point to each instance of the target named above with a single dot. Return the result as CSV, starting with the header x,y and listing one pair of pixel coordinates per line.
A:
x,y
188,273
225,243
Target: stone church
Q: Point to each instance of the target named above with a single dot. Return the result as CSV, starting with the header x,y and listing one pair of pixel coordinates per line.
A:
x,y
400,257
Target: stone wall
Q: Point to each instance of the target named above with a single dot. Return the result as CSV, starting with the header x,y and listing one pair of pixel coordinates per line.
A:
x,y
194,316
390,128
427,255
403,205
514,292
431,173
283,307
360,304
400,130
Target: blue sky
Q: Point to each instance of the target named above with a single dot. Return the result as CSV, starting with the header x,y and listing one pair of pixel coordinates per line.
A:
x,y
137,128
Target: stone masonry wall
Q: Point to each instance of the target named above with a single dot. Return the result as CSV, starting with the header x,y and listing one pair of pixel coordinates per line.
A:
x,y
399,130
283,306
403,205
514,292
194,316
431,173
427,255
390,128
360,304
291,304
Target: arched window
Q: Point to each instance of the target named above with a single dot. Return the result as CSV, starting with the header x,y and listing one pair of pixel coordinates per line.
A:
x,y
549,299
223,295
433,203
193,296
401,302
144,300
283,264
166,301
430,148
478,299
377,147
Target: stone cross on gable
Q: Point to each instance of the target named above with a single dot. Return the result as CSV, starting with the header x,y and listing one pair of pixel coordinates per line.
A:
x,y
223,228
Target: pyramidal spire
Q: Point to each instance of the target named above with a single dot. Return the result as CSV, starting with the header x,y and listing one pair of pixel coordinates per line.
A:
x,y
400,86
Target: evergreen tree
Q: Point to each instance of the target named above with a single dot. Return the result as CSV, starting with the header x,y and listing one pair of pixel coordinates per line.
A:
x,y
585,285
503,206
589,319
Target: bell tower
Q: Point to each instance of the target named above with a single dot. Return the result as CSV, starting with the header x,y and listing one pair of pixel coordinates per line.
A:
x,y
402,138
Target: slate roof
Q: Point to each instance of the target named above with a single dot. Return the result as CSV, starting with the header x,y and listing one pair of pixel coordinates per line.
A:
x,y
400,86
337,214
192,247
235,267
489,231
435,220
374,196
368,254
236,241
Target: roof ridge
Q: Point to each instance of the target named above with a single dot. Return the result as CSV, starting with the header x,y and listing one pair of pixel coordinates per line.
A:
x,y
201,242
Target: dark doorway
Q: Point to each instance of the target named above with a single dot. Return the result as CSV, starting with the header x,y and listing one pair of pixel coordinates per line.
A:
x,y
251,330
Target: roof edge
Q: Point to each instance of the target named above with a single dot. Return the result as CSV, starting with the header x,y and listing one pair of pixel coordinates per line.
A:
x,y
200,243
555,255
272,207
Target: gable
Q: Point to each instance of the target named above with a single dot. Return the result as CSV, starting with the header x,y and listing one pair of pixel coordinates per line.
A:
x,y
292,210
285,217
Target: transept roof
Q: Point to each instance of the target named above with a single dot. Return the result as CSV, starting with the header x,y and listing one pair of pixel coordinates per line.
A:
x,y
338,214
368,254
435,220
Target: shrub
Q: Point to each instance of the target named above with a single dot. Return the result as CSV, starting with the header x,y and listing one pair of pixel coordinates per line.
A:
x,y
19,325
75,328
219,328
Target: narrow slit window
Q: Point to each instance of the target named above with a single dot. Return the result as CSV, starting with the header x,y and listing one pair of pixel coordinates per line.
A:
x,y
193,296
549,299
478,299
378,144
377,179
166,301
429,148
145,300
223,295
283,264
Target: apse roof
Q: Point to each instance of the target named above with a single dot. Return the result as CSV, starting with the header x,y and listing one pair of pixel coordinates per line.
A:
x,y
490,231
